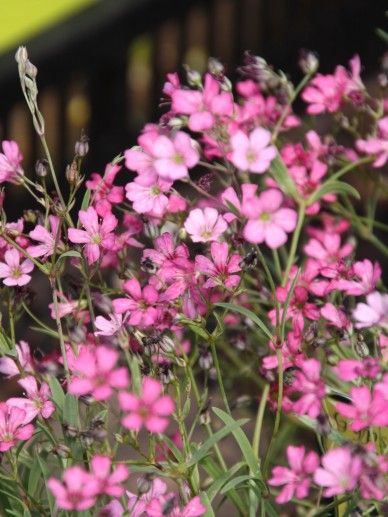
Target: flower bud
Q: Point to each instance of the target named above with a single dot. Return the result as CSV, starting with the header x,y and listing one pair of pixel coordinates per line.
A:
x,y
31,69
308,61
21,55
41,168
193,77
215,67
144,484
72,174
81,147
361,347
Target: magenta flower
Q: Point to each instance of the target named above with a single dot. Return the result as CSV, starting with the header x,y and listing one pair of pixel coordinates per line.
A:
x,y
267,221
10,160
9,367
105,193
202,106
13,271
108,483
335,316
148,197
205,225
366,409
340,472
165,252
150,409
96,235
77,492
13,426
352,369
377,146
139,303
48,240
372,313
37,402
297,478
219,270
94,373
193,508
252,152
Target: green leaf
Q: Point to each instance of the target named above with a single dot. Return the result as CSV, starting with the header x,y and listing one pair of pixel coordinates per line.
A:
x,y
57,393
86,200
220,481
333,187
287,303
205,500
34,477
70,410
248,314
135,373
269,509
233,483
241,439
6,345
215,438
280,173
46,472
70,253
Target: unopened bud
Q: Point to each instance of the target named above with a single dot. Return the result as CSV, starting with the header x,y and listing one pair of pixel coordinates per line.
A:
x,y
21,55
361,347
31,69
81,147
308,61
62,451
144,484
193,77
167,344
41,168
215,67
72,173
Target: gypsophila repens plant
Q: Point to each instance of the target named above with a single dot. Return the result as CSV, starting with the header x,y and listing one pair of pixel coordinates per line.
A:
x,y
225,272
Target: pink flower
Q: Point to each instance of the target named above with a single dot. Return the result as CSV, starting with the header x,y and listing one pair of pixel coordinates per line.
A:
x,y
205,225
252,153
77,492
194,508
105,194
140,303
366,275
148,197
14,272
10,367
335,316
112,509
309,384
173,157
366,409
340,472
267,221
352,369
65,307
37,402
377,146
108,327
328,251
372,313
202,106
12,426
150,409
93,373
220,270
49,240
108,483
297,479
165,252
95,235
10,160
138,504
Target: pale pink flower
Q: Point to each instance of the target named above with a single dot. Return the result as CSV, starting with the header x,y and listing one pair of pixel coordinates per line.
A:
x,y
372,313
12,426
140,303
366,274
49,239
9,367
150,409
377,146
94,373
340,472
366,409
105,193
37,402
267,221
13,271
96,235
202,106
328,251
297,478
138,504
108,327
174,156
311,387
193,508
205,225
165,252
108,482
112,509
232,202
252,152
148,197
77,492
65,307
221,268
10,160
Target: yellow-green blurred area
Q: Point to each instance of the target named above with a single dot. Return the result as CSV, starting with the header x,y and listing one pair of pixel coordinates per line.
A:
x,y
24,19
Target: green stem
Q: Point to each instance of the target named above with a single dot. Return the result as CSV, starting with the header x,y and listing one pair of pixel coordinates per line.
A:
x,y
294,242
219,375
59,328
259,422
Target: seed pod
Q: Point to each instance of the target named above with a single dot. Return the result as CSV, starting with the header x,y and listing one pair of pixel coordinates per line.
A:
x,y
361,347
41,168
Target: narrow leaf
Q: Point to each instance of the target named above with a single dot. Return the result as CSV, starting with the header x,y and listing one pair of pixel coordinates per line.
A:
x,y
248,314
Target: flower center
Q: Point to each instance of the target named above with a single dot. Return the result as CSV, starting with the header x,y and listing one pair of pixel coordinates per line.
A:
x,y
265,216
250,156
178,159
16,273
97,239
155,191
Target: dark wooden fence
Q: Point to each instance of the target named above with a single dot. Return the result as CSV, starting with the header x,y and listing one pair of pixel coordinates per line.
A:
x,y
102,70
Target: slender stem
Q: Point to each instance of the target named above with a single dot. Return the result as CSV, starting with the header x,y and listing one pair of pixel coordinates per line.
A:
x,y
219,376
23,252
294,242
350,166
279,356
259,422
59,327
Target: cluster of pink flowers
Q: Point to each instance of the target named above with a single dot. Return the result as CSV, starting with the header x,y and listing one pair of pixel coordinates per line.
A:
x,y
218,255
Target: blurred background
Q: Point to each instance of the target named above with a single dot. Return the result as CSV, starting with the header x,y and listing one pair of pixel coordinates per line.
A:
x,y
102,63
